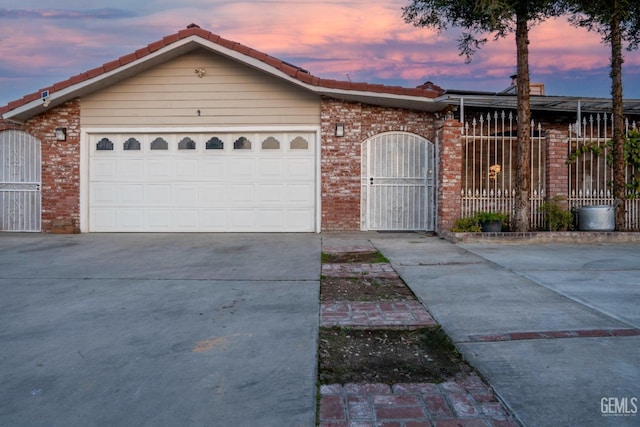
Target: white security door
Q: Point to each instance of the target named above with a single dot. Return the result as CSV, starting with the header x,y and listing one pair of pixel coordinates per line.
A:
x,y
209,182
20,180
398,182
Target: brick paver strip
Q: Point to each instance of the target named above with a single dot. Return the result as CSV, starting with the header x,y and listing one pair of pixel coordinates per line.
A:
x,y
336,250
381,269
401,314
537,335
468,401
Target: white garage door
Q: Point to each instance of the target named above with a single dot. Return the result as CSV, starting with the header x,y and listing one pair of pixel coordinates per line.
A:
x,y
205,182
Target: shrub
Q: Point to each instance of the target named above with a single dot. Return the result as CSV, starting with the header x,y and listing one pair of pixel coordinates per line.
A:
x,y
557,218
466,225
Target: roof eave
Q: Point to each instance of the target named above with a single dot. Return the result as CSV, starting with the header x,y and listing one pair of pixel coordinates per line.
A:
x,y
419,103
101,80
565,104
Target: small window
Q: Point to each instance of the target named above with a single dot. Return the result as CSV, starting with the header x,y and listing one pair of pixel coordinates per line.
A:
x,y
271,144
131,144
159,144
104,145
215,143
242,143
299,143
187,144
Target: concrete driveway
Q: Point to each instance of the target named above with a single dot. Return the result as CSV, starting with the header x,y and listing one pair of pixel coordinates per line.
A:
x,y
554,328
158,330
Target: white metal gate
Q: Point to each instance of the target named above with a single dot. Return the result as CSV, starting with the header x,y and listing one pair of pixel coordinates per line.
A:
x,y
20,179
398,182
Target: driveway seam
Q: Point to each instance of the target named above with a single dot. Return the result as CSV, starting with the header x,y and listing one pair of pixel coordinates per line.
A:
x,y
543,335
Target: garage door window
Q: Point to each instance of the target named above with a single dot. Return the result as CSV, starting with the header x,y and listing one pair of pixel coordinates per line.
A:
x,y
131,144
187,144
104,145
242,143
215,143
159,144
299,143
271,144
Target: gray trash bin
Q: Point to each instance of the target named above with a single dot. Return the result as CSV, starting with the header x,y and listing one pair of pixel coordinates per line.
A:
x,y
597,218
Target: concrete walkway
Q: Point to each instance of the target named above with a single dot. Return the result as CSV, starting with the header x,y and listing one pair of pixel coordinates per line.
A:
x,y
553,328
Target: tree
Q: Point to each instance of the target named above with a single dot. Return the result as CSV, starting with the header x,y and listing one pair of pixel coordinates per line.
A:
x,y
615,20
498,17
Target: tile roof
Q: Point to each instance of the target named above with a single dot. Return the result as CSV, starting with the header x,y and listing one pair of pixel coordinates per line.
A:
x,y
428,90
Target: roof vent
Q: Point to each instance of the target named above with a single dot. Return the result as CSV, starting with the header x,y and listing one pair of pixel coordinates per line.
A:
x,y
193,26
430,86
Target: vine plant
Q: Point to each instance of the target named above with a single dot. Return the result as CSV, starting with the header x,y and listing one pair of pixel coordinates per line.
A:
x,y
631,157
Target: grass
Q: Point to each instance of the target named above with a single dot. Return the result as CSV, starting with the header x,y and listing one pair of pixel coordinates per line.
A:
x,y
354,257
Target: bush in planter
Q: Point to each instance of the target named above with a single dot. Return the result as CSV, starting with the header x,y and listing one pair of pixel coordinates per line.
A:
x,y
491,221
487,216
473,224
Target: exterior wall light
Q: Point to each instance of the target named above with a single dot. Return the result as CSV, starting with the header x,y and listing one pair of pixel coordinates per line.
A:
x,y
61,134
340,129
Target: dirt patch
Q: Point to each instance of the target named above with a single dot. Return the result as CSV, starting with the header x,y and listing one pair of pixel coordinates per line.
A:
x,y
390,356
372,257
387,356
363,289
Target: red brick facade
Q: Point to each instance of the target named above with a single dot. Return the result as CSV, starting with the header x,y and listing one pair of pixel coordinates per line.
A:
x,y
60,165
556,175
449,174
341,165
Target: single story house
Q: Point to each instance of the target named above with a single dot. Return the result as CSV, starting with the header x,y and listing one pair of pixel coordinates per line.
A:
x,y
197,133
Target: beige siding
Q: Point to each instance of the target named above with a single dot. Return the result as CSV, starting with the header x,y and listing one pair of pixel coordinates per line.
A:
x,y
229,94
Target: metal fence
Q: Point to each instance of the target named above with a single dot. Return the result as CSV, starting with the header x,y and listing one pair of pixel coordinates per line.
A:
x,y
589,166
489,165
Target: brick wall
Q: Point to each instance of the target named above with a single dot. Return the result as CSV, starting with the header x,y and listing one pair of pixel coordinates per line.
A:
x,y
557,178
449,174
341,156
60,165
341,159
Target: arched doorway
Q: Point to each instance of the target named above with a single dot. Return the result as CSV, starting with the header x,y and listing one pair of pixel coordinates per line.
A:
x,y
398,182
20,181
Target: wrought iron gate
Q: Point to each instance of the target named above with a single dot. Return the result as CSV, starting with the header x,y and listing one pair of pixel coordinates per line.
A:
x,y
20,179
398,182
489,165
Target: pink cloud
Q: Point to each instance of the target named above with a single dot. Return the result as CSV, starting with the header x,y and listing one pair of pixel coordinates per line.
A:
x,y
366,40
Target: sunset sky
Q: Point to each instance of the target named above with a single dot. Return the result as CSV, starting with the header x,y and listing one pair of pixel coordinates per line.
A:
x,y
46,41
